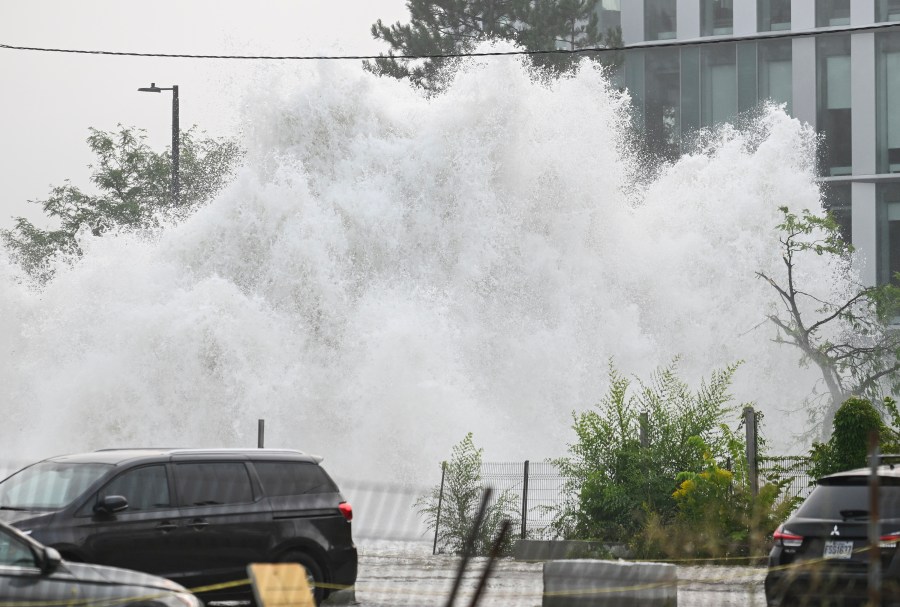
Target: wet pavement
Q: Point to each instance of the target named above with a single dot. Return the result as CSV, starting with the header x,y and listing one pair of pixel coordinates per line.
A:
x,y
403,577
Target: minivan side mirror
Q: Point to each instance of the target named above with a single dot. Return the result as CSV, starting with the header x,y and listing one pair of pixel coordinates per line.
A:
x,y
110,504
50,560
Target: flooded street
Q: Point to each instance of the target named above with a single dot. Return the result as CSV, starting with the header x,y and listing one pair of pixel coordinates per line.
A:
x,y
391,577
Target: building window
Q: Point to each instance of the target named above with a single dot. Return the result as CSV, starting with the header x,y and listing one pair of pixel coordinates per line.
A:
x,y
887,10
832,12
775,81
609,15
718,84
716,17
887,105
833,101
836,198
690,93
662,116
888,233
774,15
660,19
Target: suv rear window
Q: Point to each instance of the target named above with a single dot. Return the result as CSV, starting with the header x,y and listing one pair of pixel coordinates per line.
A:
x,y
851,496
293,478
212,483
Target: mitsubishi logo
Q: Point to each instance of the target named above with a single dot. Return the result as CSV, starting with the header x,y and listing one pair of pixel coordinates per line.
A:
x,y
835,531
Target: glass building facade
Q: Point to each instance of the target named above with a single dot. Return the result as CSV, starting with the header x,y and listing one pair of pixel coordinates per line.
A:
x,y
830,13
773,15
691,64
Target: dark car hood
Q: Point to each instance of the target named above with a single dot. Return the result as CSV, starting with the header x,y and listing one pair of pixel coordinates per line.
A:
x,y
21,519
100,574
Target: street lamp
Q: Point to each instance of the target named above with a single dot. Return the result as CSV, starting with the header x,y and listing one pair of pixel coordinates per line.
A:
x,y
174,88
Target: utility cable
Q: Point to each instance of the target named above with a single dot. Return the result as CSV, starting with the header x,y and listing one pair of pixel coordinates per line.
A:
x,y
579,51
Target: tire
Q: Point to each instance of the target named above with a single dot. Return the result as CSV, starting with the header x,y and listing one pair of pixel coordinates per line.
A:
x,y
314,573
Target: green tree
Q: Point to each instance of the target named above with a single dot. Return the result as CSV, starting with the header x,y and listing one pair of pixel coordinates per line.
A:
x,y
864,358
132,183
614,481
848,446
448,27
454,511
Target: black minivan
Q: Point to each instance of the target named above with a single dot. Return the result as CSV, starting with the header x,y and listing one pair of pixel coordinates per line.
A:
x,y
195,516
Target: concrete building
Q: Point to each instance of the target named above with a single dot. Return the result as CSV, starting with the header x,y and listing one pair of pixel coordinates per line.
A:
x,y
835,64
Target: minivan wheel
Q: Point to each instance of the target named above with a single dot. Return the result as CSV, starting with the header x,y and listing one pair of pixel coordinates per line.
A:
x,y
314,574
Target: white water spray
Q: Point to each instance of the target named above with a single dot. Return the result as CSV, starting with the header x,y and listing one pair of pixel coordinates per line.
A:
x,y
389,272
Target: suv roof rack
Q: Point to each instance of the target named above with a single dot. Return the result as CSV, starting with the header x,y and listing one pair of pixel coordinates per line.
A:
x,y
138,449
885,459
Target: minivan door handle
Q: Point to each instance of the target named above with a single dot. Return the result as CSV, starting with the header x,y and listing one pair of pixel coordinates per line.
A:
x,y
199,523
166,527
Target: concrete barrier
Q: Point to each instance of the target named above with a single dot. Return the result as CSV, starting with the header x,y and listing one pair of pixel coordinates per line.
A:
x,y
554,550
580,583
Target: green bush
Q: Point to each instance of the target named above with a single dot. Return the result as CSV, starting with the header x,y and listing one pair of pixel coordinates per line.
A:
x,y
849,443
454,513
686,493
614,483
717,514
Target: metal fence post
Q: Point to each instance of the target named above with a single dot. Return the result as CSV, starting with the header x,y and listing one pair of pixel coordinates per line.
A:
x,y
525,500
752,463
437,519
874,557
261,434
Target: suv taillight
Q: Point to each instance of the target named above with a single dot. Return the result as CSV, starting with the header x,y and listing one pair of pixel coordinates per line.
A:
x,y
347,510
890,540
786,538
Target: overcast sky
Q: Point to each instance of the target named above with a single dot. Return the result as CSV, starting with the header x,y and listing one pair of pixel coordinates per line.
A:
x,y
48,100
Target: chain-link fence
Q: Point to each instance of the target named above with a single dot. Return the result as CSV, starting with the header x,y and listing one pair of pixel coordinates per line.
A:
x,y
792,470
538,489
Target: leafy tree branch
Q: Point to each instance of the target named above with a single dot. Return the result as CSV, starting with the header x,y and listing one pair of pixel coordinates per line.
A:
x,y
852,341
132,184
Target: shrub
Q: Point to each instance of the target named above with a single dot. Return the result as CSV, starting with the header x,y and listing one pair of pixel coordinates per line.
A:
x,y
614,483
717,514
457,509
849,443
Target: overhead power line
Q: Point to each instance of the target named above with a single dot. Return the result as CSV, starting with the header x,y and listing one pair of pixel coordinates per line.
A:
x,y
299,57
580,51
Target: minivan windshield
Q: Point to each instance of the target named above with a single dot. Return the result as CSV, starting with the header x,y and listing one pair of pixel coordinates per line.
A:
x,y
48,485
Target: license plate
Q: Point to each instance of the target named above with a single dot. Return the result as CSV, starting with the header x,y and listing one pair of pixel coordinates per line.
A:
x,y
838,550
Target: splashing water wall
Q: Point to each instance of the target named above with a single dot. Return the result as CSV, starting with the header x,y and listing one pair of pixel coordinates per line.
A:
x,y
389,272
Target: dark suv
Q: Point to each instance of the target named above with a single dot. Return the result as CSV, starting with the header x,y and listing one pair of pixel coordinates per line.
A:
x,y
821,553
197,517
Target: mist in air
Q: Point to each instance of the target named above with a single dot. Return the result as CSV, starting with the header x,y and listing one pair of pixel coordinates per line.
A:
x,y
388,272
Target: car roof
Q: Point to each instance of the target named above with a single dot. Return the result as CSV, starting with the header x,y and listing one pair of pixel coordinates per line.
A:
x,y
133,454
884,470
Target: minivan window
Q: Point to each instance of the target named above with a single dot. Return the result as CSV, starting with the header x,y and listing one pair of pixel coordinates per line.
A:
x,y
145,488
49,485
293,478
210,483
828,501
14,552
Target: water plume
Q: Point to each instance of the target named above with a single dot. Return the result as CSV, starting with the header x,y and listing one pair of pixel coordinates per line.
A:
x,y
388,272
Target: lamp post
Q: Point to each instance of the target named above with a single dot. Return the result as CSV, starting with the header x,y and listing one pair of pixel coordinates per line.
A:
x,y
174,88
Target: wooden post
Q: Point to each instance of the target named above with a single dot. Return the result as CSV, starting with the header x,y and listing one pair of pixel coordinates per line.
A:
x,y
645,438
